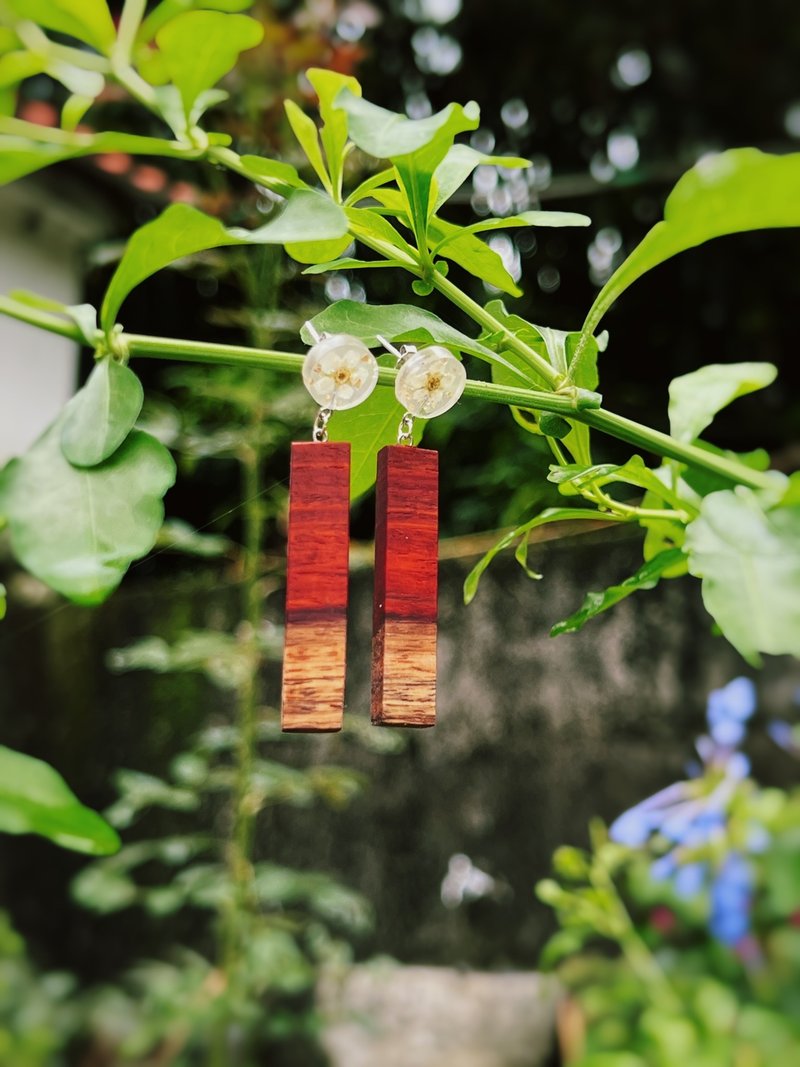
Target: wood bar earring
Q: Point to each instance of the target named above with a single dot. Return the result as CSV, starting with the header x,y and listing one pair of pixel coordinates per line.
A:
x,y
339,372
404,625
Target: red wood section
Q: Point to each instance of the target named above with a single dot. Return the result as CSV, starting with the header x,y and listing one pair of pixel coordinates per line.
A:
x,y
316,587
406,578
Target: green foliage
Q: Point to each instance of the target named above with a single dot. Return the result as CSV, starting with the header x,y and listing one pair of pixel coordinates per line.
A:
x,y
674,988
520,534
647,577
695,398
85,20
102,414
39,1012
182,230
200,47
35,799
747,552
105,516
731,192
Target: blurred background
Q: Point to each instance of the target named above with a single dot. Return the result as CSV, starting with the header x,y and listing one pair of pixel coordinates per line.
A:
x,y
440,837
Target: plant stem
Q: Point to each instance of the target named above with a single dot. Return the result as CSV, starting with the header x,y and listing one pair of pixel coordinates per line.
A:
x,y
129,22
643,437
486,319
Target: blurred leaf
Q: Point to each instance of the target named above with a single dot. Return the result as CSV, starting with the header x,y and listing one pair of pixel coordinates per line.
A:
x,y
78,530
647,577
74,110
748,556
35,799
101,415
182,230
104,889
459,163
732,192
138,791
178,536
19,157
200,47
3,602
695,398
224,660
547,516
368,428
85,20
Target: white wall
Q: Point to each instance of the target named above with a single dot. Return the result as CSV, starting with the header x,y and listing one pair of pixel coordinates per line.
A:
x,y
41,243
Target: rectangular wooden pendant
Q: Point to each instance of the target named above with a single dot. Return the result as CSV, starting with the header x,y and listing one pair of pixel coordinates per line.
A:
x,y
406,585
316,587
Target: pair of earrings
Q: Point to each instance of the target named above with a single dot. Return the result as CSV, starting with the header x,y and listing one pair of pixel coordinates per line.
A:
x,y
340,372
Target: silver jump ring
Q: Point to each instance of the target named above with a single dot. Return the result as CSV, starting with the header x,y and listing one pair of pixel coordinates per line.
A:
x,y
320,431
405,431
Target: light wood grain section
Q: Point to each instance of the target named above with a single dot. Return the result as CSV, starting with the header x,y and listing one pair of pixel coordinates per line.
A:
x,y
316,588
313,676
406,579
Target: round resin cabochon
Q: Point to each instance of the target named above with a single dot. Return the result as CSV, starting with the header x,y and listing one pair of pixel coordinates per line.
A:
x,y
430,382
339,372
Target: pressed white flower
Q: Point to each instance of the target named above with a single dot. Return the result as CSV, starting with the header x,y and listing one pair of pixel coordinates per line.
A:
x,y
339,372
430,382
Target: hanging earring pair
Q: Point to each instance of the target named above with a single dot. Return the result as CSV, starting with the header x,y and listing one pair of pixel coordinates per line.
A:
x,y
339,373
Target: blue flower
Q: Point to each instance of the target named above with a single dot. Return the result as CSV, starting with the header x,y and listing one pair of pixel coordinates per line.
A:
x,y
736,700
731,899
690,879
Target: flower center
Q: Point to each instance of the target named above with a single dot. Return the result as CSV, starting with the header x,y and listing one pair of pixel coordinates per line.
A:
x,y
433,382
341,375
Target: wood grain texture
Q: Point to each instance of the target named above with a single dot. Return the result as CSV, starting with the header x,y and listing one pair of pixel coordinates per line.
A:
x,y
406,581
316,588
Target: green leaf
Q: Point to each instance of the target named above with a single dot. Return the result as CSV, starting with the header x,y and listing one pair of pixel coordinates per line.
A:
x,y
349,264
35,799
3,602
738,190
647,577
415,146
78,530
182,230
86,20
365,222
305,130
327,85
83,315
695,398
459,163
748,557
368,428
472,254
316,251
273,173
546,516
19,157
168,9
102,414
526,218
388,135
397,322
200,47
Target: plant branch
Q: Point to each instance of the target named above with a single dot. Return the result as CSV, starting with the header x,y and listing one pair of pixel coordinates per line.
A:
x,y
642,437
